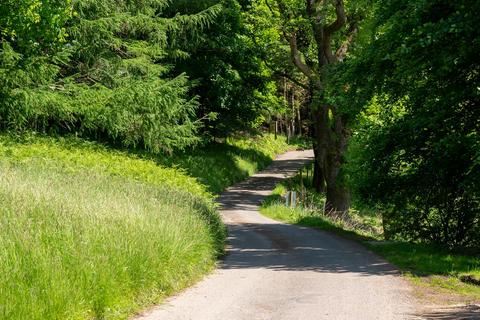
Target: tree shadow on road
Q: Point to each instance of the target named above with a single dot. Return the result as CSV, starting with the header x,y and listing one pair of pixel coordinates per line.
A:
x,y
469,312
283,247
278,246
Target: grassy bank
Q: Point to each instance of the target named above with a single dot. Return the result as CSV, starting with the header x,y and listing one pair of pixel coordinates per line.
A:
x,y
219,165
425,264
90,232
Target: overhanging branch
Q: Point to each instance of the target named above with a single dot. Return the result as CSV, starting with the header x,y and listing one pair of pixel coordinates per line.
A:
x,y
340,20
296,58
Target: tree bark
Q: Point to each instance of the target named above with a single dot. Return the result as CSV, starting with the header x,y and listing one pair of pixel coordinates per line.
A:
x,y
320,148
288,129
293,112
299,123
330,144
338,195
318,176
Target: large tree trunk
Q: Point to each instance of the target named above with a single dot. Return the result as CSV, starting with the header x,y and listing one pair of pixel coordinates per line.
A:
x,y
318,176
338,196
330,145
319,150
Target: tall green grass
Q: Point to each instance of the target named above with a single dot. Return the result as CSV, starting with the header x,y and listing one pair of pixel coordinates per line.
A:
x,y
81,245
357,222
91,232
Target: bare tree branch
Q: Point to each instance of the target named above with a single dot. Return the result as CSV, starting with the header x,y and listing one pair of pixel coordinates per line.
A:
x,y
296,58
285,75
292,41
340,20
327,49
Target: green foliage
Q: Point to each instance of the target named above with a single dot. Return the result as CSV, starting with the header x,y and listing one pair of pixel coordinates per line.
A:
x,y
156,115
34,25
106,80
119,71
416,151
32,33
228,70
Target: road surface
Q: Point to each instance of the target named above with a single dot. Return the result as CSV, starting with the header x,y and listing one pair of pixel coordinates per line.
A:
x,y
277,271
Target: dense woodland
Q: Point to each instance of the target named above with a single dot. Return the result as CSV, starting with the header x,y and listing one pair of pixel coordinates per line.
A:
x,y
119,120
387,90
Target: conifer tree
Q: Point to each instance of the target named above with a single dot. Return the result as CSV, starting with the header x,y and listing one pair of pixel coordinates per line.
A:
x,y
104,74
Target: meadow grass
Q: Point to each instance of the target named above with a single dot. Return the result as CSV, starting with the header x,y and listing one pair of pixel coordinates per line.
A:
x,y
76,155
203,171
89,232
425,264
77,245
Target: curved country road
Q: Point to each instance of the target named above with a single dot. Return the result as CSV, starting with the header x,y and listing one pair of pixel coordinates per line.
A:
x,y
278,271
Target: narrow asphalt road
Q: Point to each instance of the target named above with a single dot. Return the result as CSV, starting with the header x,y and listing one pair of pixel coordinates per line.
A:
x,y
278,271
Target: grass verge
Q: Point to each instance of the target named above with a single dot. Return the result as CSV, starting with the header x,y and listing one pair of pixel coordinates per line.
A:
x,y
91,232
425,264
